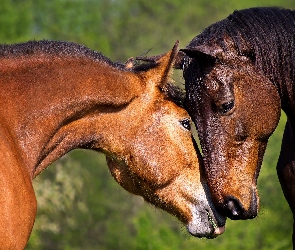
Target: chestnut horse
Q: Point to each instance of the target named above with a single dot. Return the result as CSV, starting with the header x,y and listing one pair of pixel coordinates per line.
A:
x,y
239,73
59,96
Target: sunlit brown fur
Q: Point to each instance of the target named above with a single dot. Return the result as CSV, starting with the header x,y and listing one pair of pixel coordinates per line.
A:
x,y
58,96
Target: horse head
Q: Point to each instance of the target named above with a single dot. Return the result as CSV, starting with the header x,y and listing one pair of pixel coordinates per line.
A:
x,y
71,97
236,108
159,160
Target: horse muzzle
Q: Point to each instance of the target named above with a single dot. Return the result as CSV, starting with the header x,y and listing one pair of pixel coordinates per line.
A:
x,y
206,223
234,209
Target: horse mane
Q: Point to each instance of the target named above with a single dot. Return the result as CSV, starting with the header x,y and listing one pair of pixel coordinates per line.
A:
x,y
63,48
266,35
54,48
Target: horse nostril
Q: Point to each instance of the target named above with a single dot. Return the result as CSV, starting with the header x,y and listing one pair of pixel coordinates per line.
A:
x,y
233,208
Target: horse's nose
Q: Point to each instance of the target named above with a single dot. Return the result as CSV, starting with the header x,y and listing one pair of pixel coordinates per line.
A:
x,y
235,210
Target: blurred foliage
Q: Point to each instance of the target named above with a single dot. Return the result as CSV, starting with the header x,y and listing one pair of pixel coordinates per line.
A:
x,y
79,205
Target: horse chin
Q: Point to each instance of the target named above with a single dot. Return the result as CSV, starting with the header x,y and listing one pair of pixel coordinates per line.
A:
x,y
209,233
206,223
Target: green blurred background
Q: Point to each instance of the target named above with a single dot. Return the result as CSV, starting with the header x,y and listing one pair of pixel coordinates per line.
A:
x,y
79,205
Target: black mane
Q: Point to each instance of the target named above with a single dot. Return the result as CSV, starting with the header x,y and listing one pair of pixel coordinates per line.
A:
x,y
265,34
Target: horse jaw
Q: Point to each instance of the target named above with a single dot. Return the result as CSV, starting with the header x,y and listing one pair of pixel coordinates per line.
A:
x,y
191,205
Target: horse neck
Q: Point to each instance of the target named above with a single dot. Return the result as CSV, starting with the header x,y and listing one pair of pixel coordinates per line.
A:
x,y
281,72
271,35
56,100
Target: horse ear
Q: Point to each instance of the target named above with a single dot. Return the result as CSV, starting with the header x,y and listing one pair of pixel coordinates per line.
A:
x,y
166,63
160,74
129,63
208,50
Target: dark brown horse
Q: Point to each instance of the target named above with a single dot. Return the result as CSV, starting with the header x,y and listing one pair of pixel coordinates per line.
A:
x,y
239,73
58,96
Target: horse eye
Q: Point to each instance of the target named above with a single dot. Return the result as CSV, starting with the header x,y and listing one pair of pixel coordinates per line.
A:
x,y
226,107
186,123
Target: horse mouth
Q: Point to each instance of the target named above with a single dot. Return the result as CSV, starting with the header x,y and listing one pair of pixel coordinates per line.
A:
x,y
217,230
212,226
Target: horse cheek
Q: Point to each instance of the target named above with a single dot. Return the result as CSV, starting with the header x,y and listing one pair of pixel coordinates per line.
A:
x,y
263,106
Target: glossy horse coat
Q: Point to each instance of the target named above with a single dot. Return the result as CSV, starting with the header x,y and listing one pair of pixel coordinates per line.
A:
x,y
239,73
58,96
